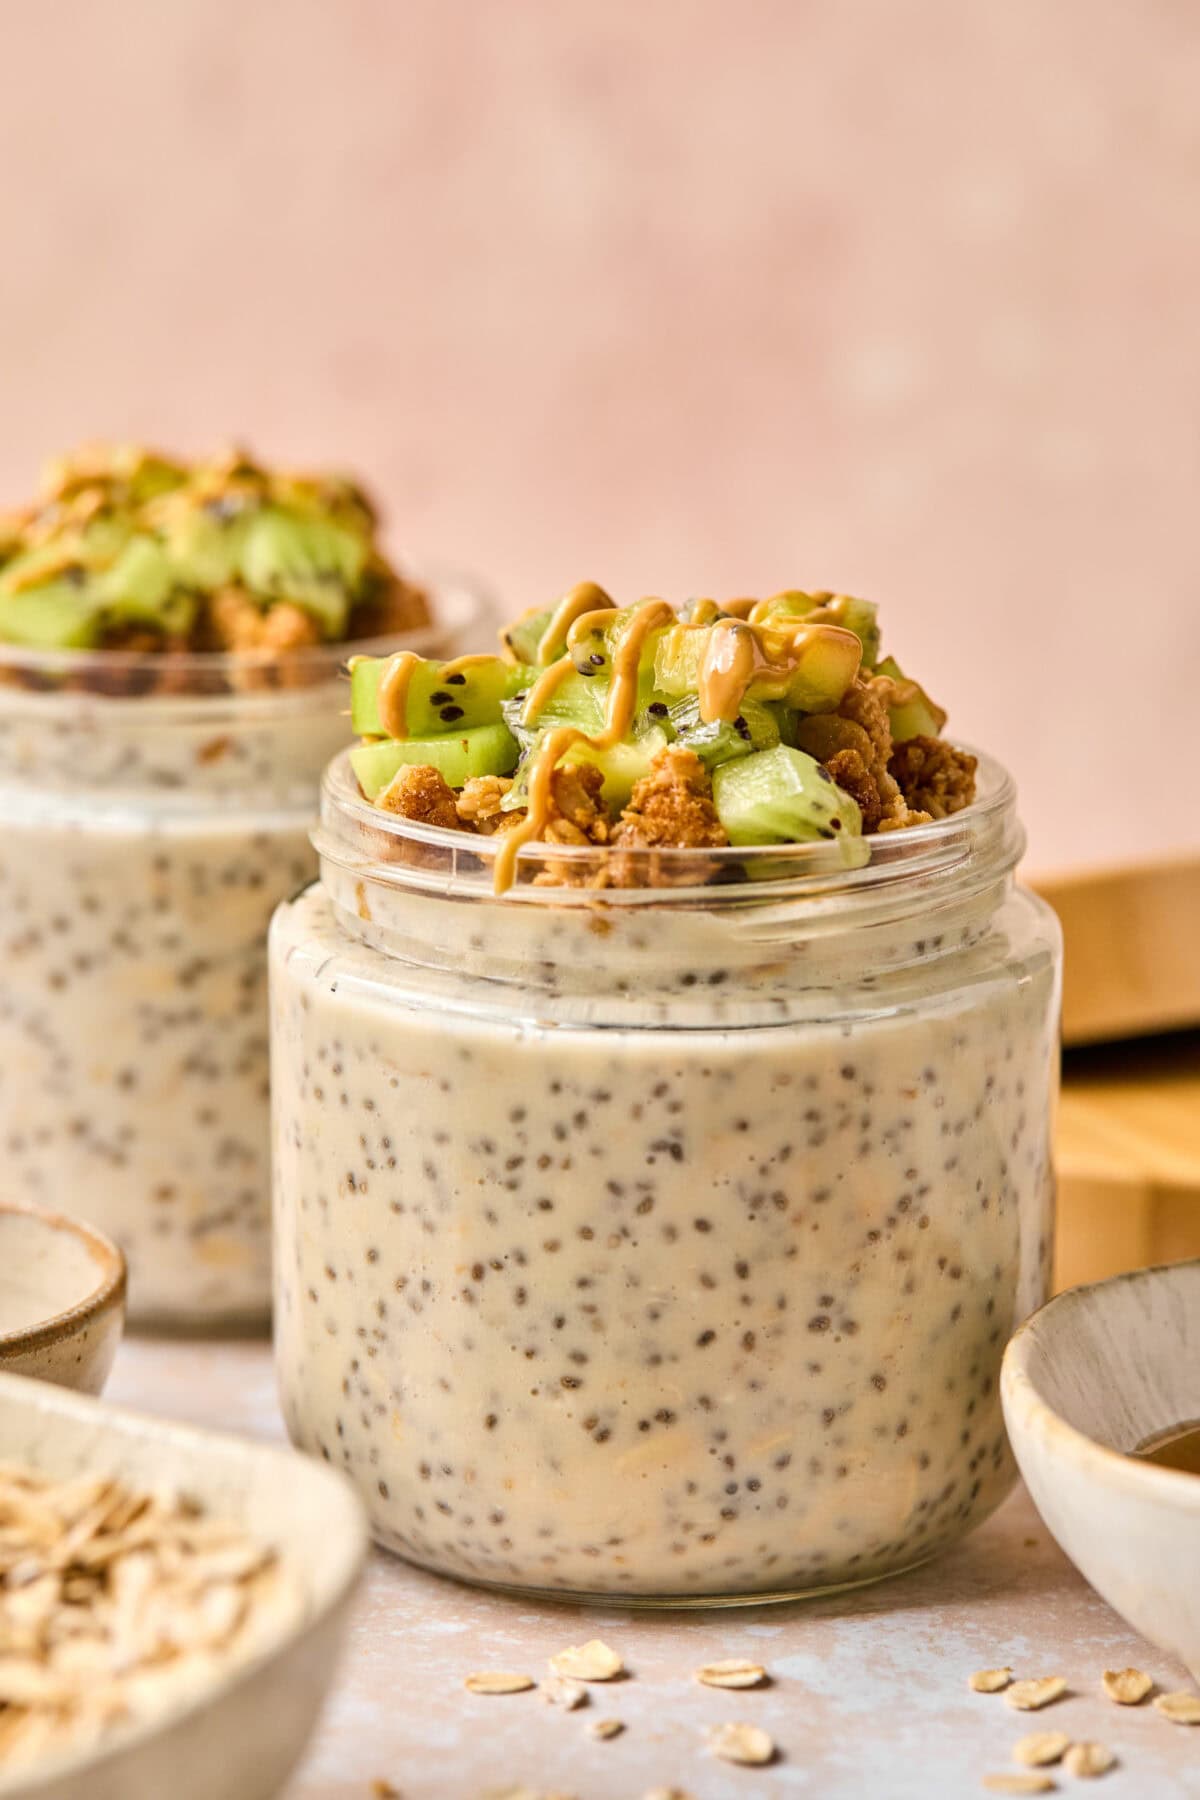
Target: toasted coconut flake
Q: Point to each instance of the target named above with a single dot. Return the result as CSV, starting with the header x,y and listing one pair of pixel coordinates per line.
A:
x,y
606,1728
1088,1760
498,1681
557,1690
738,1743
1031,1696
1181,1709
1008,1783
733,1673
989,1681
593,1661
1041,1748
1127,1687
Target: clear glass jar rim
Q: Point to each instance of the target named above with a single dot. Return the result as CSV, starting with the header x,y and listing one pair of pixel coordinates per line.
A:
x,y
459,604
982,843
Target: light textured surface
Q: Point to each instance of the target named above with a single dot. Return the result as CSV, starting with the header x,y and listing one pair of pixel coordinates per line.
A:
x,y
894,295
870,1695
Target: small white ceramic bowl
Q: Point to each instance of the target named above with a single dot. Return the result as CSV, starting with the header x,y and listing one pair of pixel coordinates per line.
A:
x,y
1090,1377
62,1298
240,1739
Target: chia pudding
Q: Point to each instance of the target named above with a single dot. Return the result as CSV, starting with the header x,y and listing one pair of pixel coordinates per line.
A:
x,y
653,1229
156,796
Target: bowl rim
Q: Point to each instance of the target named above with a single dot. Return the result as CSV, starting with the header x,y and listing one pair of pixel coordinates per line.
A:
x,y
338,1576
1020,1396
108,1293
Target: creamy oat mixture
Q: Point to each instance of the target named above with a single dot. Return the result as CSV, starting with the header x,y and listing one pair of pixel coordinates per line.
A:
x,y
648,1310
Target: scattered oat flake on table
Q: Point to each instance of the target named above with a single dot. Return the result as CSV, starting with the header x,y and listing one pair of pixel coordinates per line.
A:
x,y
559,1690
498,1681
1128,1687
989,1681
666,1793
733,1673
606,1728
1088,1759
593,1661
738,1743
1042,1747
1181,1709
1019,1784
383,1790
1030,1696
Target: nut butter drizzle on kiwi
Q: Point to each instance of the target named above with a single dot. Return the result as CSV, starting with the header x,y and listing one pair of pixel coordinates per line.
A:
x,y
622,700
393,693
585,597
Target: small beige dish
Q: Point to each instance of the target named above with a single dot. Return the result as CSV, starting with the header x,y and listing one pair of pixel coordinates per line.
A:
x,y
62,1298
1092,1376
240,1738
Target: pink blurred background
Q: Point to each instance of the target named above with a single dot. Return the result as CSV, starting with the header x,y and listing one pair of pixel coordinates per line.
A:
x,y
893,296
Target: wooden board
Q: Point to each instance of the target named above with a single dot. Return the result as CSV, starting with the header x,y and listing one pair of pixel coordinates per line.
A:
x,y
1132,948
1128,1155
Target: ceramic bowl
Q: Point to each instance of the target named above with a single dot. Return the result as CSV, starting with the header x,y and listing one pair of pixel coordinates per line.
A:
x,y
241,1738
1089,1378
62,1298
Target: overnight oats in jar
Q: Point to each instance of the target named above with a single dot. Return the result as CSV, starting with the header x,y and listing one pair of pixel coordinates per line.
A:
x,y
662,1074
171,639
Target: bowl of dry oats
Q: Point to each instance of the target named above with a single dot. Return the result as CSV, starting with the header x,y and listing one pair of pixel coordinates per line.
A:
x,y
172,1602
62,1298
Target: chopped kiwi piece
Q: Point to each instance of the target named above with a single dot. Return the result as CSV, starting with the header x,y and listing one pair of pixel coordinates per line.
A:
x,y
812,676
781,796
311,561
622,767
457,755
522,637
58,615
859,616
575,701
141,587
718,740
918,717
436,701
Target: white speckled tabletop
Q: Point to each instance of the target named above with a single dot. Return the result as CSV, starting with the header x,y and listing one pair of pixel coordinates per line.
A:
x,y
870,1692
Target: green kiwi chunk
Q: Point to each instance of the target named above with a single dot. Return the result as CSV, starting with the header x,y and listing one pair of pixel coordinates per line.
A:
x,y
457,755
311,561
577,700
58,615
918,717
437,700
718,741
622,766
821,670
781,796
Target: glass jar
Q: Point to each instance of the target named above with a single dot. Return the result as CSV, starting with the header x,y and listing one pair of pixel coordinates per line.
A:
x,y
153,812
660,1243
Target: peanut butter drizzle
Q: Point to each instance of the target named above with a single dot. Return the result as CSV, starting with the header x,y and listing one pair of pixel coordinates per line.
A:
x,y
392,699
584,598
544,688
622,700
458,664
731,661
